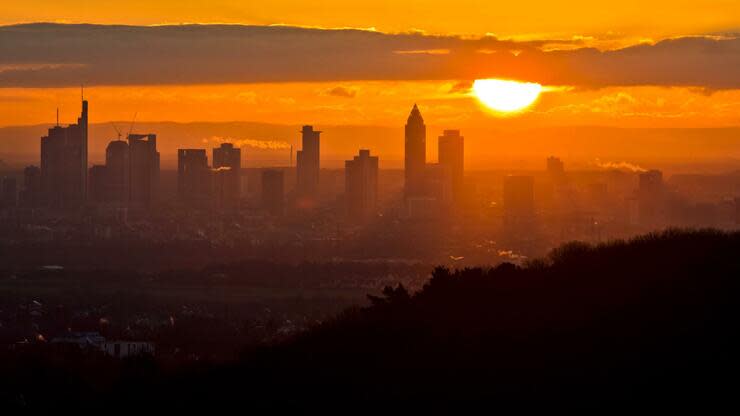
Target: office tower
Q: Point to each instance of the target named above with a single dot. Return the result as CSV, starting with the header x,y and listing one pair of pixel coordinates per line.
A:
x,y
518,197
98,184
555,167
361,186
117,166
64,163
8,192
308,162
273,191
415,147
31,194
227,164
143,169
193,176
452,158
651,198
439,184
737,211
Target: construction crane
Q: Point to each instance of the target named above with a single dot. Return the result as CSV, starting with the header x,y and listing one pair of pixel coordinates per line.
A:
x,y
117,130
133,121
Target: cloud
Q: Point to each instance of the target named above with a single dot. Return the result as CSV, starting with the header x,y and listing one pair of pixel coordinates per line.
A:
x,y
255,144
462,87
53,55
619,166
341,92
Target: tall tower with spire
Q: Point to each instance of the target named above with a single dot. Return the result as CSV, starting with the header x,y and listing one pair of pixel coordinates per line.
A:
x,y
415,153
64,163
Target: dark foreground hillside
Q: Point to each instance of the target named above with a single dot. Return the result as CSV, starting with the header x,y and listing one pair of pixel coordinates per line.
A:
x,y
653,319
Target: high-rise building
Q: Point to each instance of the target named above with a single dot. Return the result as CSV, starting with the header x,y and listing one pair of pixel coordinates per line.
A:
x,y
361,185
64,163
227,164
143,169
518,197
8,192
415,146
31,194
308,162
98,184
193,176
452,158
117,166
439,185
651,199
555,167
273,191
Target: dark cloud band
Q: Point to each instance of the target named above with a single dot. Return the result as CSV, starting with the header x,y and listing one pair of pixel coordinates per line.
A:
x,y
52,55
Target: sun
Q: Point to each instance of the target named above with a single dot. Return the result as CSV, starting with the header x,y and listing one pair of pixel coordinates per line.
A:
x,y
506,96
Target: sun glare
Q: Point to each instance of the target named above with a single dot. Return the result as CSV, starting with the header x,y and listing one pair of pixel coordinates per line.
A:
x,y
506,96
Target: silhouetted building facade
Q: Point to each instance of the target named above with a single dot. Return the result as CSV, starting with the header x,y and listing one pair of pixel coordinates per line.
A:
x,y
8,192
273,191
452,158
64,163
143,169
439,184
555,167
651,199
518,198
193,176
31,194
98,184
117,165
361,186
308,162
227,164
415,145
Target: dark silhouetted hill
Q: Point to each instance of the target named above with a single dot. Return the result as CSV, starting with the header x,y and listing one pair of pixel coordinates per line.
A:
x,y
649,320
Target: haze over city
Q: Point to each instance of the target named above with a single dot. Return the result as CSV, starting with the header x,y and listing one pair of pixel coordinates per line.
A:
x,y
208,204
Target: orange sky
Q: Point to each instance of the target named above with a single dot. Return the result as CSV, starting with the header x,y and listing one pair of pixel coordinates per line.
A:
x,y
386,103
626,18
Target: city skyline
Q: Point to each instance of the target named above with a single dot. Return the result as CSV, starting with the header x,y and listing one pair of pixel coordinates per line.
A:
x,y
210,206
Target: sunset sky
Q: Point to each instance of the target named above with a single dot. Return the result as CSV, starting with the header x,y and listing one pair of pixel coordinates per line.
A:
x,y
626,64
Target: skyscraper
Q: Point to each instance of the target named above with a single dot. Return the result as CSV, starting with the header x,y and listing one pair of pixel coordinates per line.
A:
x,y
308,162
273,191
98,184
117,167
439,185
8,192
651,199
452,157
414,154
64,163
227,164
143,169
361,185
193,176
31,194
518,198
555,167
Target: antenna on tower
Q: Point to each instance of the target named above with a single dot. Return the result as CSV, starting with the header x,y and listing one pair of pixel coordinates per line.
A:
x,y
57,116
82,92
